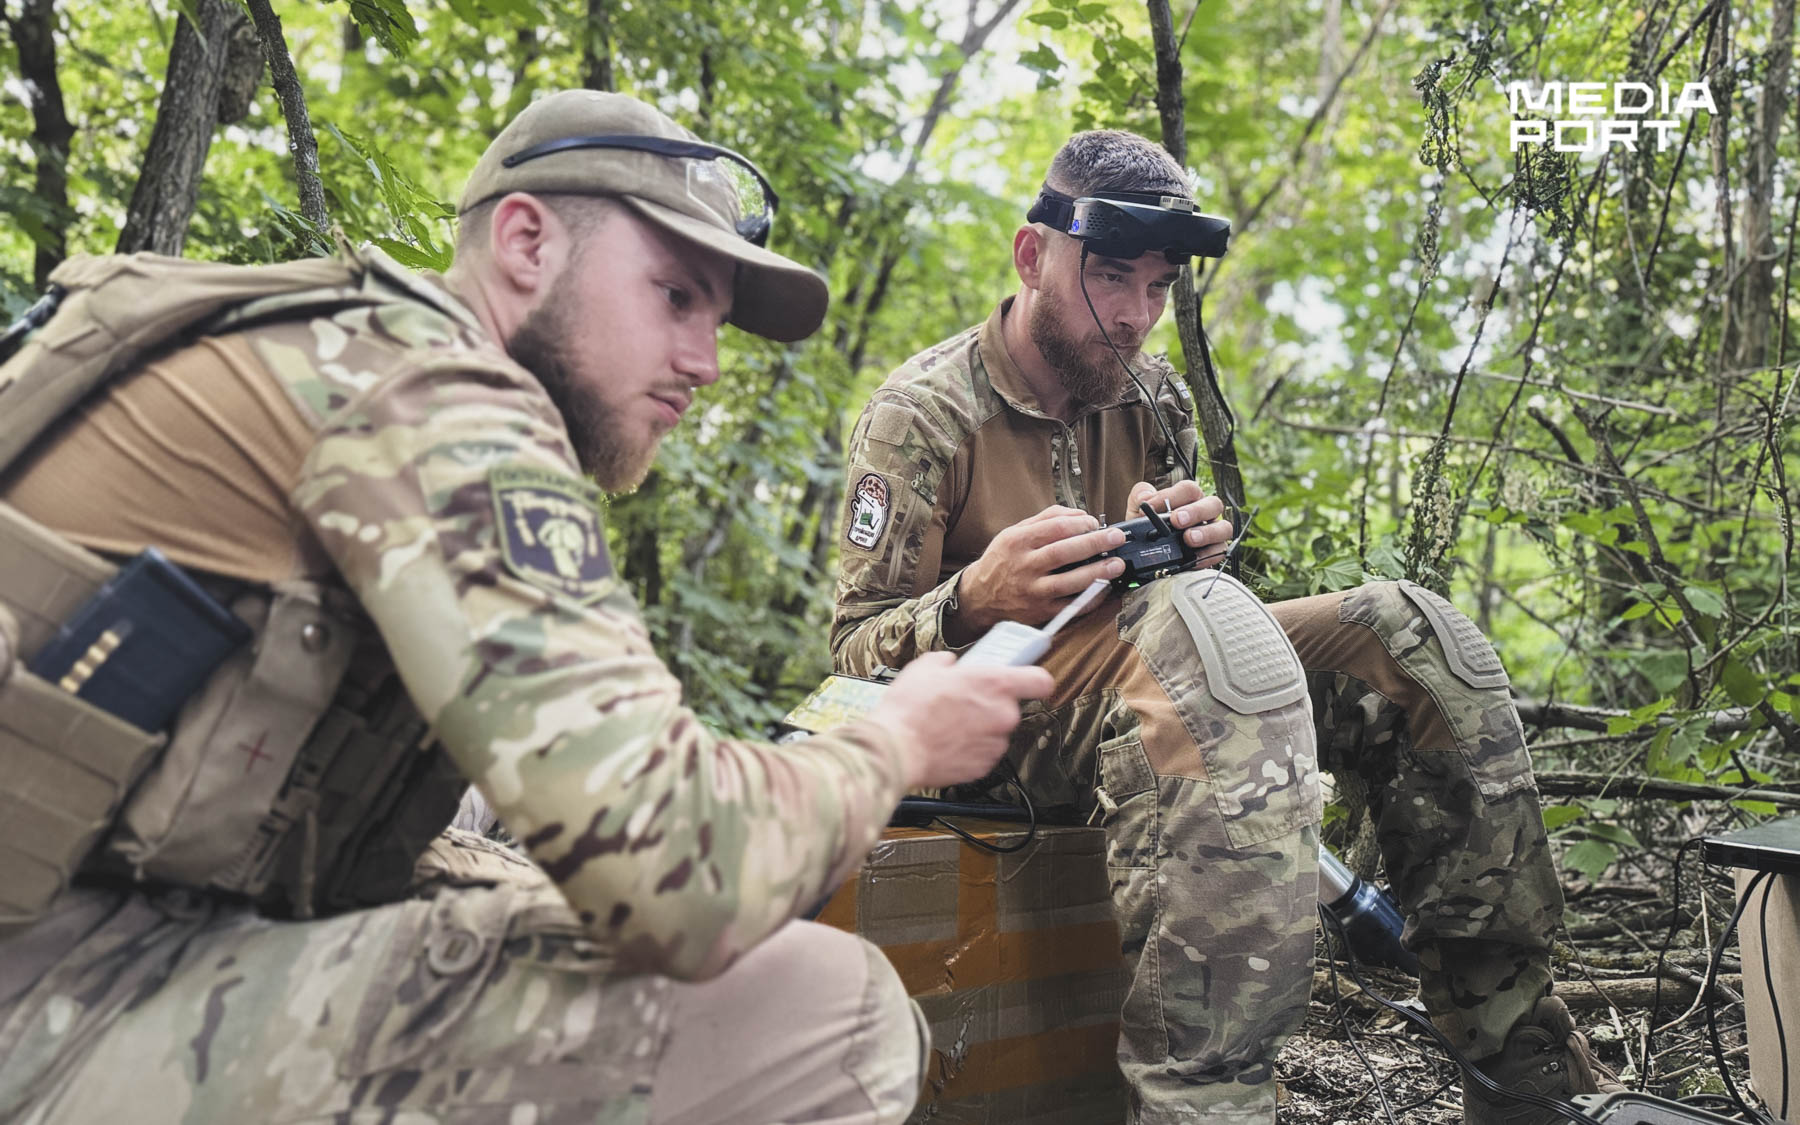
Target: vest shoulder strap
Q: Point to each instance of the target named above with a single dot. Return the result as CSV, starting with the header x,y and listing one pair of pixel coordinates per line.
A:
x,y
118,310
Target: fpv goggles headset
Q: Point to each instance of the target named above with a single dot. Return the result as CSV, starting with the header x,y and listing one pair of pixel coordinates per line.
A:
x,y
1127,224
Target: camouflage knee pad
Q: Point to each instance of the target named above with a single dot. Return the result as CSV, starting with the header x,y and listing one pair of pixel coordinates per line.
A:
x,y
1240,692
1442,650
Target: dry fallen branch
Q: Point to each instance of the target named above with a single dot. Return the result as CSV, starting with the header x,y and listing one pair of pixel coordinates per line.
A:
x,y
1566,784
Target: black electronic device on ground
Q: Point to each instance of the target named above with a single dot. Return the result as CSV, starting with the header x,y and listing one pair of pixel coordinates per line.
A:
x,y
1645,1109
1772,847
143,644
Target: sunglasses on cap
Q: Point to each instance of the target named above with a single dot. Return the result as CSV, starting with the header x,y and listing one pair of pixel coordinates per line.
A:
x,y
712,166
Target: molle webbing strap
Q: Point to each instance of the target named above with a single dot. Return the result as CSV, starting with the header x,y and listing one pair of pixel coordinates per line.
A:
x,y
67,766
44,578
66,763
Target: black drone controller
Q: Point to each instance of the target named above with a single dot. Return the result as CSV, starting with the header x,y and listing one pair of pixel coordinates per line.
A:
x,y
1153,548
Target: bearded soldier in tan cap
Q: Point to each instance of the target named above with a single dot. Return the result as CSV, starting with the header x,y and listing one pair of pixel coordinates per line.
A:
x,y
224,895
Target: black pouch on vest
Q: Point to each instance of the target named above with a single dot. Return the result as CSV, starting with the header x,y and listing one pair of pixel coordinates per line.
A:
x,y
143,644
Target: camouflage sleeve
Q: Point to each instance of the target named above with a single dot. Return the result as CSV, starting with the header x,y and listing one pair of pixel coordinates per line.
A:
x,y
890,605
449,499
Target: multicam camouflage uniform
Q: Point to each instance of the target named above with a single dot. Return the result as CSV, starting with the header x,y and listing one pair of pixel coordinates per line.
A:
x,y
1211,813
434,477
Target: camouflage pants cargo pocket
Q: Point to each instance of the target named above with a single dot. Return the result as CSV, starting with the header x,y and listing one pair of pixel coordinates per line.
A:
x,y
477,1007
1208,790
498,998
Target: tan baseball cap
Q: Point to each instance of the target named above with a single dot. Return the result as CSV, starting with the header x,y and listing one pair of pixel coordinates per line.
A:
x,y
699,199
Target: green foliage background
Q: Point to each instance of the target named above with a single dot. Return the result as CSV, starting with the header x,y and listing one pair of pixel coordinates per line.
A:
x,y
1529,379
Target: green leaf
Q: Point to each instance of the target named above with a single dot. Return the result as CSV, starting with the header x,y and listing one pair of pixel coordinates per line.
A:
x,y
1042,58
1613,834
1590,858
1744,686
1558,815
1636,610
1057,20
1632,720
1705,602
411,256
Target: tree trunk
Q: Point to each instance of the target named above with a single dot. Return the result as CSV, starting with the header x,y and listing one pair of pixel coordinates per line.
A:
x,y
212,74
596,56
1756,292
293,108
1218,429
33,33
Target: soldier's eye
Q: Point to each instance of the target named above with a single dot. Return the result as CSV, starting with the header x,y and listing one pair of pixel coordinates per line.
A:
x,y
678,297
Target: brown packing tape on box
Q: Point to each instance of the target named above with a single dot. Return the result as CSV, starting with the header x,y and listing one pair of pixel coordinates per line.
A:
x,y
1014,960
1778,948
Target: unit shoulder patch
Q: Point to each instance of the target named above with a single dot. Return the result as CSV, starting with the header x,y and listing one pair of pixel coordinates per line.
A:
x,y
549,529
871,504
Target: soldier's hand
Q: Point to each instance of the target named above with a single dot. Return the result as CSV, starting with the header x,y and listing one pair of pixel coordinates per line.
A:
x,y
1190,509
954,722
1013,579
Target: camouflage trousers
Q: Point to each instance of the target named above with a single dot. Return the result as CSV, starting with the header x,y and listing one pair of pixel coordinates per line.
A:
x,y
479,1004
1202,770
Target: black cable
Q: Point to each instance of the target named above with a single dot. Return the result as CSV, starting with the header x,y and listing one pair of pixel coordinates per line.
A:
x,y
1774,1001
1012,779
1712,1018
1661,956
1470,1071
1337,1001
1428,1098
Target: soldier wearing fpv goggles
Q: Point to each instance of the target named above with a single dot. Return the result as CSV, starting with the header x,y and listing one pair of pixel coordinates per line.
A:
x,y
1189,720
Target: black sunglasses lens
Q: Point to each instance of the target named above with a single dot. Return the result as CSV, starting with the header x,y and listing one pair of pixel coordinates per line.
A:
x,y
732,190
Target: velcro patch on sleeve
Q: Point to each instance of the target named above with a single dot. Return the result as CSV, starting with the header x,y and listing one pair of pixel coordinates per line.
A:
x,y
549,530
871,510
889,423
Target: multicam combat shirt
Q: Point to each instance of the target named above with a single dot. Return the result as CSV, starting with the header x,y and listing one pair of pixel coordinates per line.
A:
x,y
398,447
952,450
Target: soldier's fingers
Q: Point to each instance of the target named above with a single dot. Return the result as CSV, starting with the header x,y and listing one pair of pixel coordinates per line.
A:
x,y
1061,552
1053,512
1175,496
1055,529
1210,540
1140,492
1200,511
1017,683
1071,582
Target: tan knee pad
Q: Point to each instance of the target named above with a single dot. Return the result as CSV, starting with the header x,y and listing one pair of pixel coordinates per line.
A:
x,y
1446,654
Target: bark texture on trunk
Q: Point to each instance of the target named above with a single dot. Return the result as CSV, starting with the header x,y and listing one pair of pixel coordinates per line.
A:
x,y
212,75
33,33
301,143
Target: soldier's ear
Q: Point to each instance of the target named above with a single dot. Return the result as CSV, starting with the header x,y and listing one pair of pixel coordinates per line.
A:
x,y
1030,245
527,243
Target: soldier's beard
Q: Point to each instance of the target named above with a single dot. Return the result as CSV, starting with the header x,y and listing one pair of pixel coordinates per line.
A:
x,y
602,444
1086,376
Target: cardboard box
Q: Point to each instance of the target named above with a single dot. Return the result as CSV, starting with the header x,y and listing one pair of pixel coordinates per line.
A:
x,y
1015,961
1776,946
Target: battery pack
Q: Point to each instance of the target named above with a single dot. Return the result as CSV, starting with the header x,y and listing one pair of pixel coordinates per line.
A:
x,y
142,644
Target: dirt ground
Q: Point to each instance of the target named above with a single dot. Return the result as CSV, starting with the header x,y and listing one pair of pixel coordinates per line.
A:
x,y
1610,928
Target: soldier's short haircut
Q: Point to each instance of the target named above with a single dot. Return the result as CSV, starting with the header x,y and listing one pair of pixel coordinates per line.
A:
x,y
1112,160
582,214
